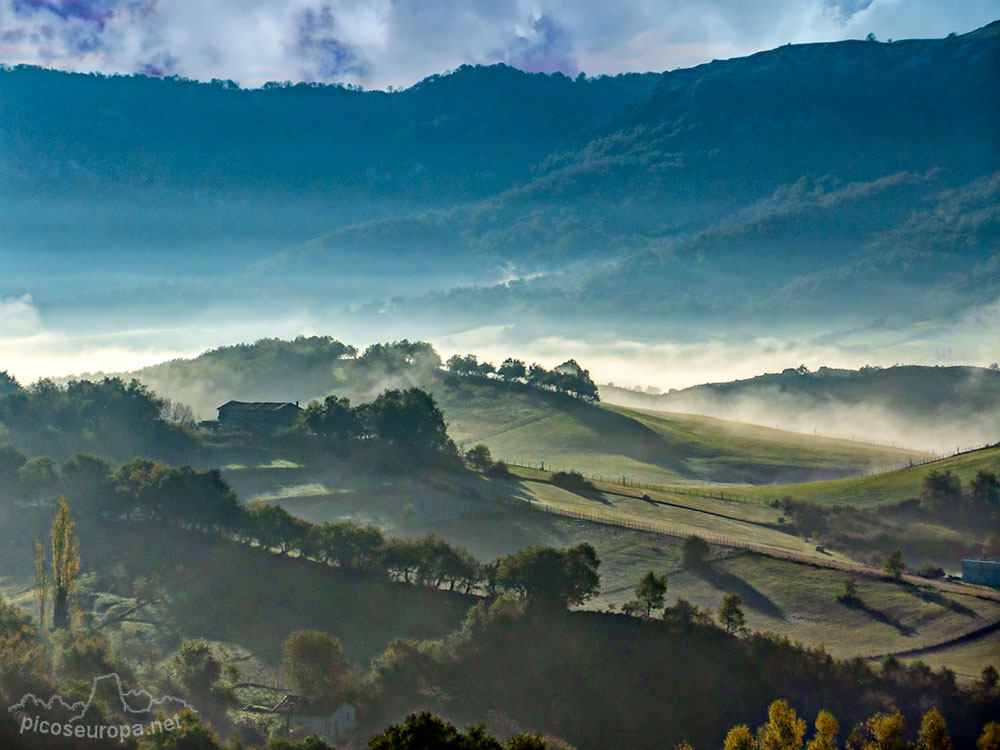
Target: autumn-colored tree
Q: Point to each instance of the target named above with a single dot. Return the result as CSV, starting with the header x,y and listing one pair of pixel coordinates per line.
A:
x,y
826,733
784,730
990,738
65,564
933,732
42,585
881,732
740,738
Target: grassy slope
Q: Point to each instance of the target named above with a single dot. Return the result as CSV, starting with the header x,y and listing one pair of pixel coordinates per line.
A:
x,y
240,596
656,447
967,659
879,489
790,598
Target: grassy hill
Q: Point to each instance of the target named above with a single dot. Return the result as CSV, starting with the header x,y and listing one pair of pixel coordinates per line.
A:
x,y
655,447
797,599
200,587
518,423
879,489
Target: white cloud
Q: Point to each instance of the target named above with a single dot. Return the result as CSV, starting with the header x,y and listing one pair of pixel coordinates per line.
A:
x,y
18,317
397,42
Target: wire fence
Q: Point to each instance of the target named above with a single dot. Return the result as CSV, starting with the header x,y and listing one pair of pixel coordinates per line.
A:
x,y
721,541
718,493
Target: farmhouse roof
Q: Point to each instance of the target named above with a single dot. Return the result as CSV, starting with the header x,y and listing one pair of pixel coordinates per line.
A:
x,y
258,405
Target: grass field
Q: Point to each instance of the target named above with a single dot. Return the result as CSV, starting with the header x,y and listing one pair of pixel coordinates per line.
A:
x,y
793,599
878,489
528,425
967,659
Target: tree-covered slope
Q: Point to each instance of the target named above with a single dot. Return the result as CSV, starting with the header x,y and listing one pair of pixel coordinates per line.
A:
x,y
854,176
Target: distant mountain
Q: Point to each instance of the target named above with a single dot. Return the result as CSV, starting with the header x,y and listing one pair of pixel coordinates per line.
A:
x,y
935,407
838,185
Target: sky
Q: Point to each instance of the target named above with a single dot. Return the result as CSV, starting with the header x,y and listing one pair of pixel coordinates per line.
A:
x,y
383,43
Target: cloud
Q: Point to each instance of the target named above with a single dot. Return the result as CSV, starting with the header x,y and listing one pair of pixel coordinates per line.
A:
x,y
378,43
18,317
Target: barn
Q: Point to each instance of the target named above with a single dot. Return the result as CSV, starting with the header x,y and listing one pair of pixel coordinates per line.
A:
x,y
259,416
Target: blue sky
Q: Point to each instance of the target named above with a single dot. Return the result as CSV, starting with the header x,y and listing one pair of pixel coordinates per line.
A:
x,y
381,43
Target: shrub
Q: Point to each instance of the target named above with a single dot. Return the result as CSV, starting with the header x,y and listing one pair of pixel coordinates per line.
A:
x,y
572,480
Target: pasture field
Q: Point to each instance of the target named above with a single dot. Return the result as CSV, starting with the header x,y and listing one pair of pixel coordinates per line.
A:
x,y
967,659
531,426
794,599
877,489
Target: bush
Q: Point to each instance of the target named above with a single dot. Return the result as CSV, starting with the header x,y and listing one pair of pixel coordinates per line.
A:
x,y
694,551
572,480
929,570
498,470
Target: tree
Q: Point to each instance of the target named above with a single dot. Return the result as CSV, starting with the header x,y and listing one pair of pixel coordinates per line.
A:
x,y
8,383
694,551
351,546
551,577
731,614
988,680
467,365
784,730
334,421
941,491
42,584
88,479
65,564
894,564
82,657
826,733
411,425
685,613
423,731
651,591
850,589
315,666
933,732
190,734
479,457
984,490
990,738
512,369
740,738
881,732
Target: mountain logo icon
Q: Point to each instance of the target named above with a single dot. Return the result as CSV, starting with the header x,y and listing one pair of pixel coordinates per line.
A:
x,y
110,687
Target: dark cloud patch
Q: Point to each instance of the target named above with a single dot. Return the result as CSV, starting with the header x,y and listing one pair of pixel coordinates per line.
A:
x,y
97,12
163,64
329,58
546,49
845,9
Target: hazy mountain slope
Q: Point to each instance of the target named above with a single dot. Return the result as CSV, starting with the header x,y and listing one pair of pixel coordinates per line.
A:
x,y
283,159
857,177
935,407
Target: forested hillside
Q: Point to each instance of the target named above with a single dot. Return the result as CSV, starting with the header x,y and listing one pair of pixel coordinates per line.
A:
x,y
766,188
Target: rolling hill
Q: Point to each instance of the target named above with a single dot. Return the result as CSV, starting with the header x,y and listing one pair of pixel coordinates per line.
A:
x,y
880,489
519,423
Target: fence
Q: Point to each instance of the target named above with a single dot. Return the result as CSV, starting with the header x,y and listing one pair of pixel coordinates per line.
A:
x,y
721,541
624,481
717,493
